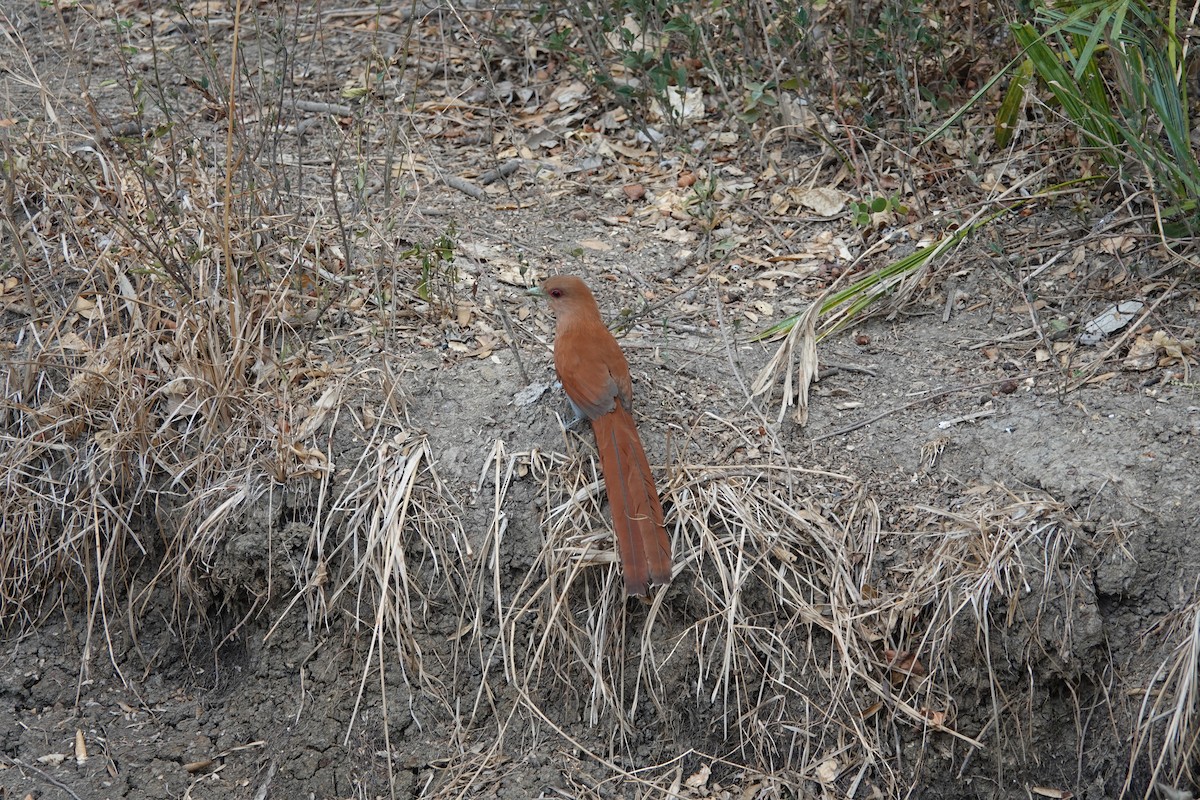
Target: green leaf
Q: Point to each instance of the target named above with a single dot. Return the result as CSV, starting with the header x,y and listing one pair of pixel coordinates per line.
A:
x,y
1010,107
1093,39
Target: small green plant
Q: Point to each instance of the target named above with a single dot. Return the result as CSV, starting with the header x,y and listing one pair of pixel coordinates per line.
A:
x,y
863,209
763,97
640,34
439,275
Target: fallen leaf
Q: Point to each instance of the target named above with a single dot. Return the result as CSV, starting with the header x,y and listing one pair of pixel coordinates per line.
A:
x,y
1172,349
686,107
72,341
515,274
903,663
629,152
570,94
752,790
936,718
1117,244
822,201
827,771
1107,376
699,778
1109,321
678,235
1143,355
530,394
311,461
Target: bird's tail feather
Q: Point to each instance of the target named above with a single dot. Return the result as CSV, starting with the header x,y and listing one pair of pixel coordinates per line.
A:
x,y
637,514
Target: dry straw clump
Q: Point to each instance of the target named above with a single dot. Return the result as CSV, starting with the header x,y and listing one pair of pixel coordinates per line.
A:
x,y
1167,734
111,380
194,418
168,374
807,631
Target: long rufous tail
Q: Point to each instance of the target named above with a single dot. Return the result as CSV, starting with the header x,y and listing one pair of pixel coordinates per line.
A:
x,y
637,514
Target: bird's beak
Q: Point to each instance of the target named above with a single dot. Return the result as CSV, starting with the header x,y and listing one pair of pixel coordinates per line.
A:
x,y
535,291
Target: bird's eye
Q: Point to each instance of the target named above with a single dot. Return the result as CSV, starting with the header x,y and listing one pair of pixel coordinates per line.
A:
x,y
556,292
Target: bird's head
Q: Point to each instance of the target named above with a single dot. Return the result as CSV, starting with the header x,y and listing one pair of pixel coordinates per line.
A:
x,y
565,293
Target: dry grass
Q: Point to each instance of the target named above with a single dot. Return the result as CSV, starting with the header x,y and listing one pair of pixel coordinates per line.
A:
x,y
404,555
1168,720
178,321
812,636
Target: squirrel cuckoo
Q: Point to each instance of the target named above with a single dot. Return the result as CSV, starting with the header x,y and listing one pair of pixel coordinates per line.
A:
x,y
595,376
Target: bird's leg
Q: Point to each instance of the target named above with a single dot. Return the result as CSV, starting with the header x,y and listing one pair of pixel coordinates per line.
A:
x,y
579,417
573,425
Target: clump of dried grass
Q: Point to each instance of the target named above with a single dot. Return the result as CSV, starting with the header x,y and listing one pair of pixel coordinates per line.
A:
x,y
406,556
135,403
182,335
814,636
1166,738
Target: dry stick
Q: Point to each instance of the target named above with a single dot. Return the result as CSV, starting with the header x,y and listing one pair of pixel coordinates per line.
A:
x,y
463,185
337,210
22,765
834,367
864,423
502,171
512,336
322,108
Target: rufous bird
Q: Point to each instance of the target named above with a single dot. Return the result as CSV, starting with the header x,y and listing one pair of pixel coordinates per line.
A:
x,y
595,376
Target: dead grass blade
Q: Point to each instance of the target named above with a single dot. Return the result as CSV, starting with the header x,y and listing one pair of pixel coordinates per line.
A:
x,y
403,541
799,346
1167,731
